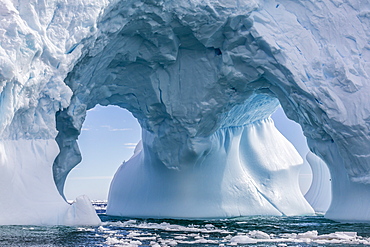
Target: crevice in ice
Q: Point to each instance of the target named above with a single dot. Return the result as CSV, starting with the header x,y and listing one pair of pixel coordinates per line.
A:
x,y
69,155
270,201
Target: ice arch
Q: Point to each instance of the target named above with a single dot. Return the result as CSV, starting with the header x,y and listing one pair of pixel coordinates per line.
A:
x,y
209,147
152,65
188,74
185,69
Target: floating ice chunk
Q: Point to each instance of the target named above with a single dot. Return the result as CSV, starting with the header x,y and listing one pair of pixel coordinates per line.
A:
x,y
242,239
81,212
258,235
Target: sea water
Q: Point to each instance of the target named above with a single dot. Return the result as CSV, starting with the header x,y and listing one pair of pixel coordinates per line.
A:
x,y
243,231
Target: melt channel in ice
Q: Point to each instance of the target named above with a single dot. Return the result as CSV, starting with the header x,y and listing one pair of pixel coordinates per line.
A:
x,y
319,193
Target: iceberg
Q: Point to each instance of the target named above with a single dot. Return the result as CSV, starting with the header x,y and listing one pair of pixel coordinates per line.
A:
x,y
202,78
237,175
29,194
38,46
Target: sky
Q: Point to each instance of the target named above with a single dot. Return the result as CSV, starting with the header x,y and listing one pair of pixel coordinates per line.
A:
x,y
109,136
293,132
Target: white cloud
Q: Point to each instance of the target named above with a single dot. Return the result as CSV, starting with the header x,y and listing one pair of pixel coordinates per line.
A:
x,y
130,145
110,128
120,129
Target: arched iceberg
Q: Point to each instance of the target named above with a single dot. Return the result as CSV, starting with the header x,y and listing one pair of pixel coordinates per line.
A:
x,y
202,78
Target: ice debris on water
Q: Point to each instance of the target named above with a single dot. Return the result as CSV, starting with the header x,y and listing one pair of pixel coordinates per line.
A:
x,y
186,235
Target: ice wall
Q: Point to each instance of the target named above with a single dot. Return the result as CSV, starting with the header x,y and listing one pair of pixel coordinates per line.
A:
x,y
27,189
189,70
38,46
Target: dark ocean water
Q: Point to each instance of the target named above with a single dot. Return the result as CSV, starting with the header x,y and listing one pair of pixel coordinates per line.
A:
x,y
246,231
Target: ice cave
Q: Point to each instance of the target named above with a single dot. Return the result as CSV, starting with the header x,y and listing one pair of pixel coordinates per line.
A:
x,y
202,78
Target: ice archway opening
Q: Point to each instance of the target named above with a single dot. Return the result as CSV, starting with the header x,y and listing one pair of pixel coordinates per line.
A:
x,y
246,167
110,134
315,179
293,132
108,137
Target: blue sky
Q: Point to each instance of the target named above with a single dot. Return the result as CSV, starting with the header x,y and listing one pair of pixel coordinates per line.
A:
x,y
109,136
293,132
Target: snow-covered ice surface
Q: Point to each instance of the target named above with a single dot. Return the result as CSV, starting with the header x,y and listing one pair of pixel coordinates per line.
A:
x,y
202,77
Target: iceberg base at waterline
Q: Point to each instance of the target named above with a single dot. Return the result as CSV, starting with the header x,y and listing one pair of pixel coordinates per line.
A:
x,y
28,192
350,197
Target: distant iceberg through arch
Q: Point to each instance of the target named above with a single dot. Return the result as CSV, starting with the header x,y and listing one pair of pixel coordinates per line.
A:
x,y
234,177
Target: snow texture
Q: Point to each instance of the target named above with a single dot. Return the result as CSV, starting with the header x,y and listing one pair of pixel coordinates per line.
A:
x,y
198,75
